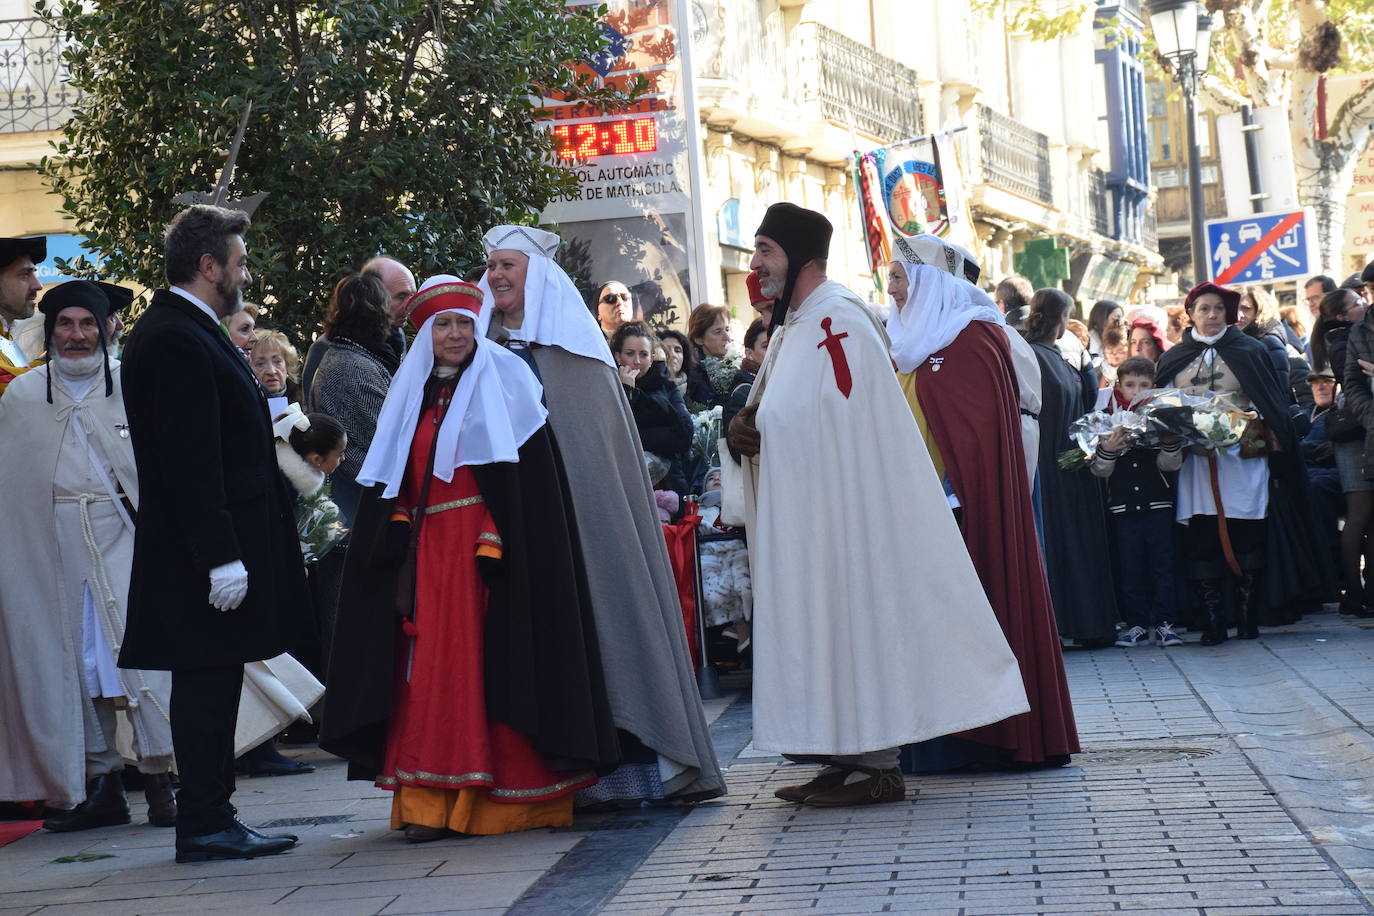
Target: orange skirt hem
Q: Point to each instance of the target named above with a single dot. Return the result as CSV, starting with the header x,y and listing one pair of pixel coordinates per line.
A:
x,y
472,810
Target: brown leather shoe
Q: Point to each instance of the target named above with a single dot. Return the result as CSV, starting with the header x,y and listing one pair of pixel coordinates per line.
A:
x,y
822,783
419,833
880,787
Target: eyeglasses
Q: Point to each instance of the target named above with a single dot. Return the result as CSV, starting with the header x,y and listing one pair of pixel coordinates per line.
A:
x,y
613,298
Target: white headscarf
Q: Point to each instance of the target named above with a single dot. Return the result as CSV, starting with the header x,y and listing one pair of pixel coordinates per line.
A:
x,y
496,406
555,313
940,303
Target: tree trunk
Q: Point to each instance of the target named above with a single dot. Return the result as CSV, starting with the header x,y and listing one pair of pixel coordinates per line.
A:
x,y
1325,190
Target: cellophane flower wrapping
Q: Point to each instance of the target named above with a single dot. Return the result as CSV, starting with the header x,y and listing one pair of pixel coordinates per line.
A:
x,y
1207,421
706,434
318,525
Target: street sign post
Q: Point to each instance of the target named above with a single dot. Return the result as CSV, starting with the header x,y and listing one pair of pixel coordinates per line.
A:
x,y
1262,248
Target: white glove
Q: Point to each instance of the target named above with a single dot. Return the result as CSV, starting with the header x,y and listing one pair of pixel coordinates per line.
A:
x,y
228,585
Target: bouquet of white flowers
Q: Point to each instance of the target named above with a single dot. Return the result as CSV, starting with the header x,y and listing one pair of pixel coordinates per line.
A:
x,y
1205,421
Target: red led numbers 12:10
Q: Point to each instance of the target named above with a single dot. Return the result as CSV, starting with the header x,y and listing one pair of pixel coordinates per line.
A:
x,y
606,138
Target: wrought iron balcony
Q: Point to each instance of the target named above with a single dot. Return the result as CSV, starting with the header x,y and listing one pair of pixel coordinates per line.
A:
x,y
1098,204
856,86
34,94
1015,158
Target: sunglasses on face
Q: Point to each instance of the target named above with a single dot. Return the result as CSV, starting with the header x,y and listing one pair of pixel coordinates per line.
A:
x,y
613,298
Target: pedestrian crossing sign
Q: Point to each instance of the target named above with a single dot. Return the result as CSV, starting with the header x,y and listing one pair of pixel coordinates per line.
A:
x,y
1262,248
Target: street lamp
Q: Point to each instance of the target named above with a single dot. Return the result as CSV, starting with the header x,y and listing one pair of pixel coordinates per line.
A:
x,y
1183,34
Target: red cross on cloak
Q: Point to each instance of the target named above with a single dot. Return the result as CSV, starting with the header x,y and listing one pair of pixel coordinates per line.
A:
x,y
832,343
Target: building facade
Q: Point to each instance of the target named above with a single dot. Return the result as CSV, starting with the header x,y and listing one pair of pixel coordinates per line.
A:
x,y
1052,138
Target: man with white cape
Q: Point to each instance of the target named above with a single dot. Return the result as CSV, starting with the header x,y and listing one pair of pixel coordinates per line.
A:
x,y
533,309
70,486
856,561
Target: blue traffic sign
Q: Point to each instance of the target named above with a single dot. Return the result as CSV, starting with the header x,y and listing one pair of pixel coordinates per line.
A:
x,y
1261,248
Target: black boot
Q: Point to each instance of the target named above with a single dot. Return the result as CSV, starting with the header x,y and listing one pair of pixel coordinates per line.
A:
x,y
1213,620
1246,627
162,807
105,806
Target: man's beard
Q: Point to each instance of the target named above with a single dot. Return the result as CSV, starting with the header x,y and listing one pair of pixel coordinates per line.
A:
x,y
771,286
79,366
230,297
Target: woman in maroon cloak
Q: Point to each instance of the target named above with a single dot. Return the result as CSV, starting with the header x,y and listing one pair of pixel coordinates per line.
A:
x,y
953,359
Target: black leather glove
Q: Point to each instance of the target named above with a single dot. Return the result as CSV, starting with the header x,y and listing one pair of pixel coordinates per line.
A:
x,y
393,545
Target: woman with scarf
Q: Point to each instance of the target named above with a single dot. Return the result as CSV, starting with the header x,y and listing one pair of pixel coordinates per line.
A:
x,y
1076,547
954,361
1250,555
479,701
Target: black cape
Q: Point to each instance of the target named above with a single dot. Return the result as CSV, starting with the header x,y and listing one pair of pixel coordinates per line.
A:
x,y
1296,570
1077,558
543,668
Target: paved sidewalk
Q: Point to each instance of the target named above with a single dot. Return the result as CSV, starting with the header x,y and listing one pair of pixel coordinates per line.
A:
x,y
1234,780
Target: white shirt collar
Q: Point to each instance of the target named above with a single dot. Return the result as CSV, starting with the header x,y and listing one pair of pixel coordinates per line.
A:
x,y
210,313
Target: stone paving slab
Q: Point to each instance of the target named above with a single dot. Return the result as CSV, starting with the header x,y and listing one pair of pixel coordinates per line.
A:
x,y
1230,780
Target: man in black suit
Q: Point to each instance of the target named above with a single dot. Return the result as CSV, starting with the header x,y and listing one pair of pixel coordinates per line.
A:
x,y
217,575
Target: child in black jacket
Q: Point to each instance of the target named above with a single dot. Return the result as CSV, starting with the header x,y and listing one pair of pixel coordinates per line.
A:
x,y
1140,506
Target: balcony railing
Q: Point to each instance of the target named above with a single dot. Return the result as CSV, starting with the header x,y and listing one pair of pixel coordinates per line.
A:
x,y
1015,158
34,94
1099,204
858,87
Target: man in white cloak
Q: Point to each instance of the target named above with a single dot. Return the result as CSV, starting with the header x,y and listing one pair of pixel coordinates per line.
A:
x,y
70,488
855,557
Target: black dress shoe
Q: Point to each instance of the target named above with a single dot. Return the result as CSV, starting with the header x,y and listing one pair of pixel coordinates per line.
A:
x,y
232,843
266,836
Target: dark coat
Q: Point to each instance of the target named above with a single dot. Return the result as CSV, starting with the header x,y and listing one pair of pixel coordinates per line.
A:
x,y
210,493
1277,350
665,426
543,673
1293,569
1075,521
1356,385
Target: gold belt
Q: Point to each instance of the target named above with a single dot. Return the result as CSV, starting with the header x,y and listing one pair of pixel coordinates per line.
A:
x,y
453,504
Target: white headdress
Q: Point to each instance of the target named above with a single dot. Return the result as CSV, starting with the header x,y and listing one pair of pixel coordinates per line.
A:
x,y
496,405
939,301
555,313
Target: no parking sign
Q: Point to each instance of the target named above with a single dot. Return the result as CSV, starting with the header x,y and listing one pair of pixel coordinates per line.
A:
x,y
1261,248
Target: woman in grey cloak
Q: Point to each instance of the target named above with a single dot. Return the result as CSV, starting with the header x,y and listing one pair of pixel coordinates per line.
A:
x,y
533,308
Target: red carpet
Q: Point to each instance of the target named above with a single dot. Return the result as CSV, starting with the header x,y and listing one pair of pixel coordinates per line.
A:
x,y
17,830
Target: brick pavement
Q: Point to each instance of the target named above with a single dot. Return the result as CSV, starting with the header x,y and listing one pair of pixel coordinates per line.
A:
x,y
1215,781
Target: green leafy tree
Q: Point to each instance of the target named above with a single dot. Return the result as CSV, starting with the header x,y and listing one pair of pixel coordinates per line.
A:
x,y
400,126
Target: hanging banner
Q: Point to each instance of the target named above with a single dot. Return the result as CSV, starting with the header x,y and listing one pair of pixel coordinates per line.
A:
x,y
922,190
873,217
631,217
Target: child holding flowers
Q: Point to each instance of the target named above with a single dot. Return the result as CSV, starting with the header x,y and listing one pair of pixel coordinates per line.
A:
x,y
1140,505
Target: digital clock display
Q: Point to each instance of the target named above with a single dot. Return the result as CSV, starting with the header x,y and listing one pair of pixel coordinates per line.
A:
x,y
606,138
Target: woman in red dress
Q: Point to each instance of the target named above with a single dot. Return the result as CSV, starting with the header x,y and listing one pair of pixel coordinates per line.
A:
x,y
460,418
